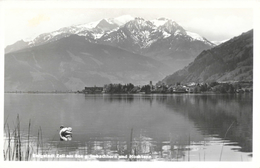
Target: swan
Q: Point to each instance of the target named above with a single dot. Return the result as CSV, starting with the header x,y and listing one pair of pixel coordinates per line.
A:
x,y
65,133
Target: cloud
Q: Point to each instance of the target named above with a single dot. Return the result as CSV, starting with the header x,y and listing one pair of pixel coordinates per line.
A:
x,y
37,20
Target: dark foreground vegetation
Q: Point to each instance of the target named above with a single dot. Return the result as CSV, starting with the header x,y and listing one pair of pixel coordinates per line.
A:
x,y
19,148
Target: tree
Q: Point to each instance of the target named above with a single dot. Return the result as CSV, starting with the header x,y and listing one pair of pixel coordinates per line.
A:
x,y
146,89
212,84
204,87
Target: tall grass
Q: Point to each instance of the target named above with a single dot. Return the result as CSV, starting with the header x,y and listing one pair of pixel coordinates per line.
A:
x,y
224,139
189,149
28,147
16,149
204,153
130,145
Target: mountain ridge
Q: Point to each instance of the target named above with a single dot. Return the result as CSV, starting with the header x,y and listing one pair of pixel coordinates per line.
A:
x,y
72,63
122,50
161,39
93,26
229,61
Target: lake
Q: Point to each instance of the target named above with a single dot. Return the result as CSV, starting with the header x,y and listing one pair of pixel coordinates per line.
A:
x,y
136,127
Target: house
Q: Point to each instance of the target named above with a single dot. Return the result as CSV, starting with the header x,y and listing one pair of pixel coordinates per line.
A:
x,y
92,90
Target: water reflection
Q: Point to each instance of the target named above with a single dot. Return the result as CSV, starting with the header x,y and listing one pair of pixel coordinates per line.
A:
x,y
213,115
174,127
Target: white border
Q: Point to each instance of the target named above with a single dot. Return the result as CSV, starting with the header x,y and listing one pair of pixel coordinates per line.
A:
x,y
143,4
131,4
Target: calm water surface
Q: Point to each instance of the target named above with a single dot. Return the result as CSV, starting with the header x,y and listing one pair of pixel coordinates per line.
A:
x,y
174,127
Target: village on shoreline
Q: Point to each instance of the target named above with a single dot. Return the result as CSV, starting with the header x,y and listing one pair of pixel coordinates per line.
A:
x,y
162,88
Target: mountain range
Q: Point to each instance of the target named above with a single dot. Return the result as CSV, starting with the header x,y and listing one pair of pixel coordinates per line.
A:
x,y
117,50
72,63
229,61
90,30
161,39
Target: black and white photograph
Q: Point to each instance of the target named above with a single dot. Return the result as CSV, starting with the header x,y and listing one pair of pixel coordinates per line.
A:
x,y
129,81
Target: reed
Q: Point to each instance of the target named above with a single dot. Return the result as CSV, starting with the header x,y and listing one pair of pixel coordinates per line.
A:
x,y
41,140
224,139
38,140
16,149
7,153
19,143
177,154
204,150
11,149
28,147
189,149
130,145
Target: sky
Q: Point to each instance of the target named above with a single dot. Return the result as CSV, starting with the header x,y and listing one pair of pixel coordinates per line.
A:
x,y
215,24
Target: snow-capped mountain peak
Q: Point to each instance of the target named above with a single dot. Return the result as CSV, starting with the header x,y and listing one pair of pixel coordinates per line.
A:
x,y
194,36
169,26
139,24
219,42
158,23
106,25
90,25
140,31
